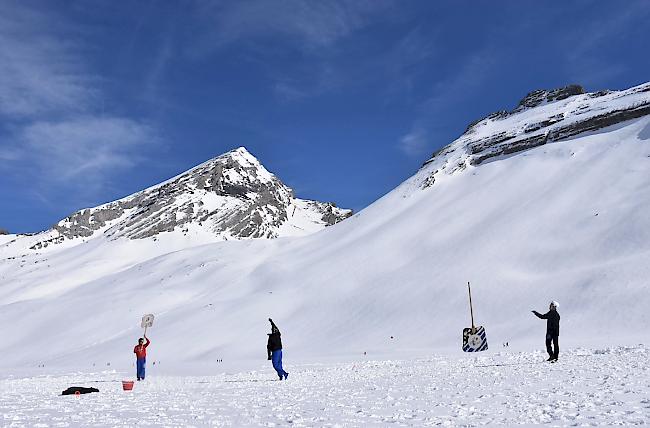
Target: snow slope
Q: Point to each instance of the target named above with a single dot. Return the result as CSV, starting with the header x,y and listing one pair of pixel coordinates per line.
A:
x,y
606,386
566,220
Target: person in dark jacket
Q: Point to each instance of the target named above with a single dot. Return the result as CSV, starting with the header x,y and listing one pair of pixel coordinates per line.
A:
x,y
552,318
274,349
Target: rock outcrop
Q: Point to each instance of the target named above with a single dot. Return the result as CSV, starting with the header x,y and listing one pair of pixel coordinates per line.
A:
x,y
543,116
230,197
541,96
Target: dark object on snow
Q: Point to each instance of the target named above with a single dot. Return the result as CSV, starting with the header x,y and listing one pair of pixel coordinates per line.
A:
x,y
274,350
73,390
553,352
552,318
474,338
275,342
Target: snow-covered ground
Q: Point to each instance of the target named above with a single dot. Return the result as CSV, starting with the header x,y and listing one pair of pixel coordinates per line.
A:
x,y
609,386
567,221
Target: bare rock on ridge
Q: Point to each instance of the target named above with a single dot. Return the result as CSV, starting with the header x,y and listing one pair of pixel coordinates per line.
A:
x,y
230,197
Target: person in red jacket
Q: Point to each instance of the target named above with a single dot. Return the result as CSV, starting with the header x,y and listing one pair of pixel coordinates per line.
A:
x,y
140,351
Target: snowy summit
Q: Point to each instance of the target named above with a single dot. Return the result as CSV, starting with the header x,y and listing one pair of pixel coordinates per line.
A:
x,y
229,197
542,117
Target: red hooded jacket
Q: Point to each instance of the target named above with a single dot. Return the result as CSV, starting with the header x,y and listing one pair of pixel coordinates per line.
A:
x,y
141,350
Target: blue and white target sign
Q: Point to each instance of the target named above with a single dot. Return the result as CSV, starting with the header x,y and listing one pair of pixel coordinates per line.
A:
x,y
474,339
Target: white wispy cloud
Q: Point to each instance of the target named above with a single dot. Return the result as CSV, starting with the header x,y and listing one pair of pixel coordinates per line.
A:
x,y
415,142
390,67
446,94
310,24
323,33
583,60
9,154
83,148
314,28
56,134
39,73
323,78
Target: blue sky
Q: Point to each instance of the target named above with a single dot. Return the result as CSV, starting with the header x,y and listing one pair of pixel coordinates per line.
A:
x,y
342,100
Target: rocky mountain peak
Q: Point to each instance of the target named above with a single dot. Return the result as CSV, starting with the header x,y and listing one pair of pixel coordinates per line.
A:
x,y
543,116
533,99
540,96
241,159
232,196
235,173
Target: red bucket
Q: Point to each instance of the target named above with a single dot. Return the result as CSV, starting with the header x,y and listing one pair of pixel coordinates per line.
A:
x,y
127,385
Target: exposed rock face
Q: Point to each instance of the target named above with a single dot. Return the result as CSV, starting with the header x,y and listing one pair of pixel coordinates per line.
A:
x,y
541,117
4,231
232,197
534,99
541,96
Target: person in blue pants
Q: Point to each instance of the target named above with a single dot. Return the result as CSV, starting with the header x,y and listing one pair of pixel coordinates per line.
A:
x,y
140,351
274,350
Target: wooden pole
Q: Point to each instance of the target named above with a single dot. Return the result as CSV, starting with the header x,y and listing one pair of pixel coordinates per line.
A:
x,y
471,310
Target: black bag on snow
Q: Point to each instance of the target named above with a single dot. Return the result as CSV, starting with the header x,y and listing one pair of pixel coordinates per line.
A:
x,y
79,389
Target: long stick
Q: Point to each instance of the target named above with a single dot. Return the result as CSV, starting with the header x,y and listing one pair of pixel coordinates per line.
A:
x,y
145,330
471,310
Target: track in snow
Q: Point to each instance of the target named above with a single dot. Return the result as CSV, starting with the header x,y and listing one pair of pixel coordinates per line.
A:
x,y
587,387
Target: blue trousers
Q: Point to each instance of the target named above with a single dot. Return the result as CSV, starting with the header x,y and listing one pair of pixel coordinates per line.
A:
x,y
276,358
140,363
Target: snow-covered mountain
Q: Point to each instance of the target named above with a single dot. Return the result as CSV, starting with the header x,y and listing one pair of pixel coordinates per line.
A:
x,y
229,197
549,201
542,117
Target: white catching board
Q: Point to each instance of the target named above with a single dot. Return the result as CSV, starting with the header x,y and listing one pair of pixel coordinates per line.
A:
x,y
147,321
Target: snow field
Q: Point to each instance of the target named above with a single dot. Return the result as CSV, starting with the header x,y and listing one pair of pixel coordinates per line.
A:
x,y
566,221
587,387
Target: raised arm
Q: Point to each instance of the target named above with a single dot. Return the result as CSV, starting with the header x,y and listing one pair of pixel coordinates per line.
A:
x,y
542,316
274,328
148,341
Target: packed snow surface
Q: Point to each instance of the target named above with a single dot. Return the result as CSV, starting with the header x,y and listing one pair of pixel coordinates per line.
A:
x,y
609,386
